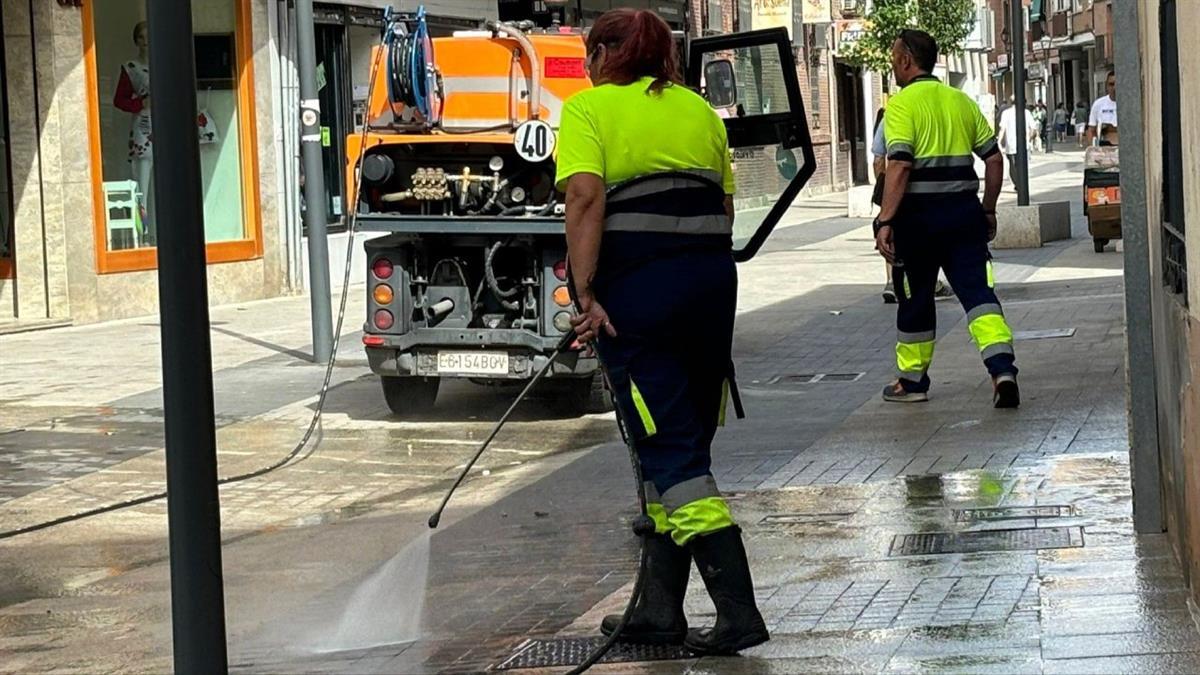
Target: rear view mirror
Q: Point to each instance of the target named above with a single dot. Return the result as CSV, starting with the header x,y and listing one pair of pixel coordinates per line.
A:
x,y
720,85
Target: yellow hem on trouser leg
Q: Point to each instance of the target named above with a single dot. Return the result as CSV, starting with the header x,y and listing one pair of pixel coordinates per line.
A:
x,y
702,516
643,411
658,513
914,357
989,330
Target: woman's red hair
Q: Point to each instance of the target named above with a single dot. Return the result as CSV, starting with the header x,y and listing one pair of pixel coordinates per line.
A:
x,y
638,44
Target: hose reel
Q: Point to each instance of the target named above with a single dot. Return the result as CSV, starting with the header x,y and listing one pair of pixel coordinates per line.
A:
x,y
413,83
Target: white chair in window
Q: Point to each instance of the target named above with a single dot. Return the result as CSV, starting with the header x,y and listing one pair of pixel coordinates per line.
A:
x,y
121,201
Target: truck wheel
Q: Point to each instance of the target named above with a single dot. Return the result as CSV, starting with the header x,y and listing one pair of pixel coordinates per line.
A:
x,y
587,395
408,395
1099,244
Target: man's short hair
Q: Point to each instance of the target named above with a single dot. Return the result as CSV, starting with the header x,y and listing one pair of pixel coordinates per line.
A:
x,y
922,46
1111,73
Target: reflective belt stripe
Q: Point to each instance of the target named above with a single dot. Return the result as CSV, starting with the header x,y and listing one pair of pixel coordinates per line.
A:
x,y
689,491
658,513
699,517
983,310
990,329
724,402
647,222
991,275
656,185
916,338
914,357
642,410
942,186
944,161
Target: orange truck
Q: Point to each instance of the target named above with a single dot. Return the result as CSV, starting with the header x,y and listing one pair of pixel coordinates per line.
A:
x,y
454,174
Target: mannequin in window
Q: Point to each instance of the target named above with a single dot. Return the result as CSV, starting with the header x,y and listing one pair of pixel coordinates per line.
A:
x,y
133,96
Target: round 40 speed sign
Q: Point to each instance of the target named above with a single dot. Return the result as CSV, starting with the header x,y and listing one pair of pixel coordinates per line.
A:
x,y
534,141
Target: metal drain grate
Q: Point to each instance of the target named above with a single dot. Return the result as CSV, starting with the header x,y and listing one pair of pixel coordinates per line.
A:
x,y
538,653
1022,539
1013,513
785,519
1044,334
814,378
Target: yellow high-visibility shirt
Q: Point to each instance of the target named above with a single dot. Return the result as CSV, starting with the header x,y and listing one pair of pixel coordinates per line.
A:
x,y
938,128
619,132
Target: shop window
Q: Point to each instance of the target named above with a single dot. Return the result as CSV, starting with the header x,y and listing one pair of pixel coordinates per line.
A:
x,y
1174,248
122,143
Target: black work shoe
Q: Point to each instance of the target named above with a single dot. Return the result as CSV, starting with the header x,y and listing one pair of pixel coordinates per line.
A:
x,y
658,618
1006,393
721,559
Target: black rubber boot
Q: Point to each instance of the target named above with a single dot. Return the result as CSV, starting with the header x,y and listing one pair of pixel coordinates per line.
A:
x,y
658,618
721,559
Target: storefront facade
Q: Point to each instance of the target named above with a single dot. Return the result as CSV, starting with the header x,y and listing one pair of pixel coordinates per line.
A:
x,y
83,225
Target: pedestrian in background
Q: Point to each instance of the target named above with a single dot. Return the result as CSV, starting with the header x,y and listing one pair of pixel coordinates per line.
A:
x,y
1060,122
1039,121
879,149
1080,119
1008,136
932,218
647,264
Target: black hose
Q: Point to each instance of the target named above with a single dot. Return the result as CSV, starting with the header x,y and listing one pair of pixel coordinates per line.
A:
x,y
490,274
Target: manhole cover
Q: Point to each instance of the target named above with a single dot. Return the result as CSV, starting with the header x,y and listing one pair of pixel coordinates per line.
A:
x,y
784,519
1023,539
538,653
1013,513
1044,334
814,378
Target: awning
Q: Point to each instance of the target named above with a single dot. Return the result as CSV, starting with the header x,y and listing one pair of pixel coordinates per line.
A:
x,y
999,73
1035,11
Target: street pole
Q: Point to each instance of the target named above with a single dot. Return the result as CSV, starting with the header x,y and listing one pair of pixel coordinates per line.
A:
x,y
1016,36
314,184
193,506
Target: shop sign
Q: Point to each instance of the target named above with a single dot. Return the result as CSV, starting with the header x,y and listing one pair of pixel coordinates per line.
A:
x,y
817,11
1035,71
771,14
848,33
1002,60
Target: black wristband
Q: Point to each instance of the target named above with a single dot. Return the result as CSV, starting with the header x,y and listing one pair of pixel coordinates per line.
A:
x,y
877,224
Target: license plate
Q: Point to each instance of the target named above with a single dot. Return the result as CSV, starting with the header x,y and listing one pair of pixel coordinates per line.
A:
x,y
472,363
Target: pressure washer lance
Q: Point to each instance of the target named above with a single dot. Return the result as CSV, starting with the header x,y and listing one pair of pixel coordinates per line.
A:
x,y
643,525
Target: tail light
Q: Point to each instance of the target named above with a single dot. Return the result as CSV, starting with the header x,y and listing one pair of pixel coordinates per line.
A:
x,y
562,296
382,268
384,319
373,340
383,294
560,270
562,322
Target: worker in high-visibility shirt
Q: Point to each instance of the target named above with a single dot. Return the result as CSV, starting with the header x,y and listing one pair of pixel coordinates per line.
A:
x,y
932,218
646,167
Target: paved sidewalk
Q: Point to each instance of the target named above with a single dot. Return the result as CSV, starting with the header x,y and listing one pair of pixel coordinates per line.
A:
x,y
846,501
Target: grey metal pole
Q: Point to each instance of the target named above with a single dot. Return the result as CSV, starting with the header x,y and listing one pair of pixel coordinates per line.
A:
x,y
193,508
1141,378
314,184
1016,35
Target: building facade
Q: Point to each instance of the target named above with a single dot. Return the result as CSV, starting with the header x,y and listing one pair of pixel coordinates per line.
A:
x,y
1157,75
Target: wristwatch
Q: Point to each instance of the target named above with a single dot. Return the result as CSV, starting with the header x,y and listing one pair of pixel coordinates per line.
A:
x,y
877,224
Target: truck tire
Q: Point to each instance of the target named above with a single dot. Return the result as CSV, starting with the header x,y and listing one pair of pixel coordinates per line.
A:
x,y
409,395
587,395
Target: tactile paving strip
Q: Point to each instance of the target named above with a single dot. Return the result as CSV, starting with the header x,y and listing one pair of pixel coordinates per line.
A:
x,y
1021,539
540,653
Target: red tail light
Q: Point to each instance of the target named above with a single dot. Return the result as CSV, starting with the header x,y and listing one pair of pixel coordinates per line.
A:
x,y
373,340
382,268
384,319
560,270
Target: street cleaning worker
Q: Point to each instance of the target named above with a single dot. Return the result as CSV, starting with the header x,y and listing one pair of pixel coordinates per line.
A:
x,y
657,290
932,218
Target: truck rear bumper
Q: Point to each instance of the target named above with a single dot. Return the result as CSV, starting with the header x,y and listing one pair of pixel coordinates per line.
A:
x,y
415,353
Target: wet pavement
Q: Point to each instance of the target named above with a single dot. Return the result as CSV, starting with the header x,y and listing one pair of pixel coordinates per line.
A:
x,y
947,537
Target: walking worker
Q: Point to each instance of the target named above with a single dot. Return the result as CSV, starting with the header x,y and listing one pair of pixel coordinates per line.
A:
x,y
932,218
646,168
